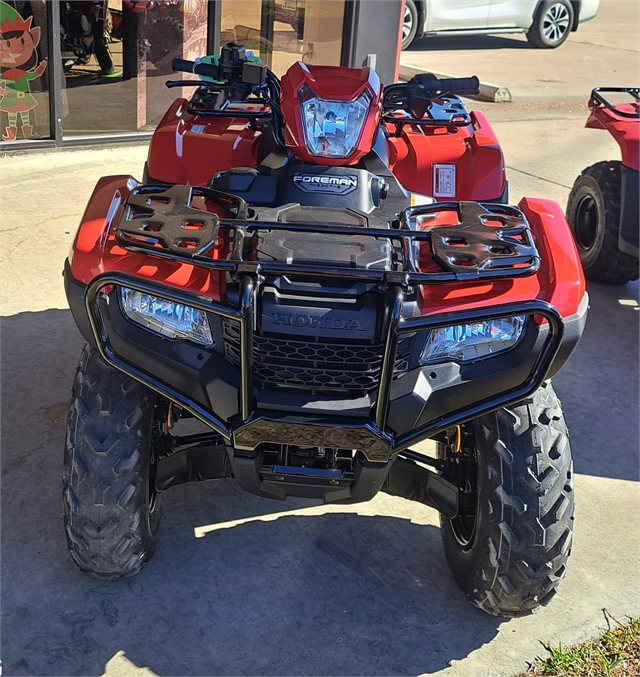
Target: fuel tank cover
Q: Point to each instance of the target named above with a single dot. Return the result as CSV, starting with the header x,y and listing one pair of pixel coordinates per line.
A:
x,y
318,186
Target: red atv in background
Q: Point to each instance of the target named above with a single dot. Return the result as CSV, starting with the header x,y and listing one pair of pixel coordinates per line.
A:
x,y
274,278
603,206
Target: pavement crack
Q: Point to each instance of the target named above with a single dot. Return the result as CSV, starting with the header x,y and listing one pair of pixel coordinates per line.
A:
x,y
21,460
42,222
535,176
56,218
593,44
18,244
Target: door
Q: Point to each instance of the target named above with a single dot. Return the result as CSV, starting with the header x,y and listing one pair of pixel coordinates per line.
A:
x,y
512,13
457,15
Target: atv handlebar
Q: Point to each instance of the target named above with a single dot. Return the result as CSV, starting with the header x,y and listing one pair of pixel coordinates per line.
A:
x,y
427,100
239,79
430,83
205,69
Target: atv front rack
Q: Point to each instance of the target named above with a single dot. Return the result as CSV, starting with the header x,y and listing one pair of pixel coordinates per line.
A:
x,y
372,437
491,241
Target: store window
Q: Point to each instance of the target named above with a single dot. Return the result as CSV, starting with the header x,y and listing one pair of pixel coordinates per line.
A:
x,y
74,69
117,56
24,75
282,32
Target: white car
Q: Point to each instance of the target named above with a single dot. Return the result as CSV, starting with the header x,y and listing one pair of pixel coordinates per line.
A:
x,y
547,23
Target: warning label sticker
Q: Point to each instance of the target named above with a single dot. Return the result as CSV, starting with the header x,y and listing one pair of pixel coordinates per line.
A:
x,y
444,180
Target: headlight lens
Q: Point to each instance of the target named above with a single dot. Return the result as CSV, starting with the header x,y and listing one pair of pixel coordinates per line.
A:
x,y
164,317
332,128
468,342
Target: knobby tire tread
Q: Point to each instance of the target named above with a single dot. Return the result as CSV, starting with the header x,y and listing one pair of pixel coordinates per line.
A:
x,y
106,469
603,181
523,538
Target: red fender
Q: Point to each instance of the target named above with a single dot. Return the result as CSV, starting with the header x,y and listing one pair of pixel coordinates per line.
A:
x,y
474,152
626,131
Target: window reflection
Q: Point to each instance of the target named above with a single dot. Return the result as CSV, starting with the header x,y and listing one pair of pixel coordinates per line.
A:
x,y
121,88
116,55
282,32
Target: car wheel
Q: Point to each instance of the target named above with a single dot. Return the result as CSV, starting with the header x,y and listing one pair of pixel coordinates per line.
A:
x,y
551,25
409,23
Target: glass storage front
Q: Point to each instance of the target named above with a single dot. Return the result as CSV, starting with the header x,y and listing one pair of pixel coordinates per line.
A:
x,y
282,32
114,75
114,56
24,71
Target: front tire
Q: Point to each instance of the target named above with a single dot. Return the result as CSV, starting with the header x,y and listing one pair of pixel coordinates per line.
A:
x,y
508,550
111,509
551,24
593,212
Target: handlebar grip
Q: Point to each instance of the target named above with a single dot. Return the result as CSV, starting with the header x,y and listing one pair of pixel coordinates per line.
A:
x,y
185,66
432,84
471,84
182,65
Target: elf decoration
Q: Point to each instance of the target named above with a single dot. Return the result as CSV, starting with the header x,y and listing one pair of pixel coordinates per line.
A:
x,y
18,66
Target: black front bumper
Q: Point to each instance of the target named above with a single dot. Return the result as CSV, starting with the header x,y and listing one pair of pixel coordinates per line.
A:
x,y
402,416
403,410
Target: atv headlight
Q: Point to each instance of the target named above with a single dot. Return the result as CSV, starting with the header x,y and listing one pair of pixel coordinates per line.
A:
x,y
468,342
332,128
164,317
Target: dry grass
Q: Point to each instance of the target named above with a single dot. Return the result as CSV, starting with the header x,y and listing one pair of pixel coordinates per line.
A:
x,y
616,653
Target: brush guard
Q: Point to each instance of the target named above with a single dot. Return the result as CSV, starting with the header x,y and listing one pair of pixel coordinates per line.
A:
x,y
490,253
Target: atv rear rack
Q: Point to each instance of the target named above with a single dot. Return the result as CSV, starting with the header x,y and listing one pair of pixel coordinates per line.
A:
x,y
598,98
252,427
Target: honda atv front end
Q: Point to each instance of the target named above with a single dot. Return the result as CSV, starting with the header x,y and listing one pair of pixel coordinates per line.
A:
x,y
320,327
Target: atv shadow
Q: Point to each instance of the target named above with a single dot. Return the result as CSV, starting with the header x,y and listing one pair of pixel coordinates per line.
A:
x,y
598,387
306,593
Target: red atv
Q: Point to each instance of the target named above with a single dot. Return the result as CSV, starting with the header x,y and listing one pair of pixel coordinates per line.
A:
x,y
603,205
271,279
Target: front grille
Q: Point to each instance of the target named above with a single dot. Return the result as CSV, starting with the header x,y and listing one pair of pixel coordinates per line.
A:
x,y
315,365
